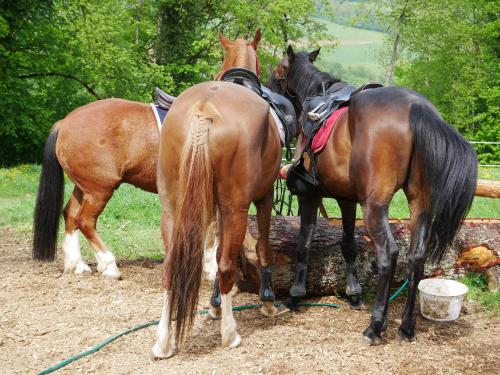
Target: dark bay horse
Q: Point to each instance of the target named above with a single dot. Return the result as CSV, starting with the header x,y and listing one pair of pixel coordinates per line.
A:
x,y
99,146
219,152
390,138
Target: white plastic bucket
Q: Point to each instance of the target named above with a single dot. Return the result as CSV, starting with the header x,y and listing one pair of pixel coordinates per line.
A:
x,y
441,299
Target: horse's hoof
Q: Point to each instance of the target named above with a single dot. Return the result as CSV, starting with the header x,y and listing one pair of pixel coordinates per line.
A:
x,y
82,268
232,342
404,336
157,353
270,310
291,303
214,313
112,272
235,342
371,338
298,291
355,302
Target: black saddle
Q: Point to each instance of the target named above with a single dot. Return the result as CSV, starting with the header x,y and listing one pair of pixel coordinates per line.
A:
x,y
281,105
316,109
163,99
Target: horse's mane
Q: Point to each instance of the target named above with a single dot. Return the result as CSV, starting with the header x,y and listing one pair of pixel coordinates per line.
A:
x,y
304,70
237,55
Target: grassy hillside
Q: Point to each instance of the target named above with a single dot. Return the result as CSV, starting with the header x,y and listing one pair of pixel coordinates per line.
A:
x,y
356,57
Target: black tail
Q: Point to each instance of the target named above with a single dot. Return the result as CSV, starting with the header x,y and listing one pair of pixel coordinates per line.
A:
x,y
449,169
48,203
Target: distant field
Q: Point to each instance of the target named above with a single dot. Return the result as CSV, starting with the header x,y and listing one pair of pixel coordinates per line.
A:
x,y
357,48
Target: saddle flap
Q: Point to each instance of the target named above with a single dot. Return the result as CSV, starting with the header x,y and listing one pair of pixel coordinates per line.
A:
x,y
163,99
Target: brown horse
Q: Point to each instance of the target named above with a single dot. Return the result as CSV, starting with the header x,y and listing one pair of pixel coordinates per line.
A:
x,y
219,152
390,138
99,146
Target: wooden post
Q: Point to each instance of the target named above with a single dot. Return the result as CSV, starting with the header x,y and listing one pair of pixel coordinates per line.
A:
x,y
488,188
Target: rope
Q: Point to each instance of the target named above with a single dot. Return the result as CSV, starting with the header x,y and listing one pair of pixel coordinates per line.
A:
x,y
200,312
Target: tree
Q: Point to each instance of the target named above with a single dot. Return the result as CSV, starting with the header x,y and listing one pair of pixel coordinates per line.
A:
x,y
188,44
58,55
448,51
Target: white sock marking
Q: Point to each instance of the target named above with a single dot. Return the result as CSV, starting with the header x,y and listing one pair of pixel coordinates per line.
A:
x,y
73,262
228,332
210,254
163,347
106,264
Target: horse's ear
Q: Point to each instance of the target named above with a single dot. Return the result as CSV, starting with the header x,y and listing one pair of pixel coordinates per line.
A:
x,y
290,53
256,39
226,43
313,55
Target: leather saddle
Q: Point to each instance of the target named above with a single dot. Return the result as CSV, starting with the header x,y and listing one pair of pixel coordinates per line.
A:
x,y
316,109
163,99
282,106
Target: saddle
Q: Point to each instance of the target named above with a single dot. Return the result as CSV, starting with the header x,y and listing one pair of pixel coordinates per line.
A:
x,y
316,110
282,106
163,99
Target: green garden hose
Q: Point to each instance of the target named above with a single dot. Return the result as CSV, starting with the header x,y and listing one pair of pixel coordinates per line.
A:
x,y
200,312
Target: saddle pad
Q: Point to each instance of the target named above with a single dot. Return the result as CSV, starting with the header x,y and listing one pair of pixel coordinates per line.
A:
x,y
160,114
279,124
321,137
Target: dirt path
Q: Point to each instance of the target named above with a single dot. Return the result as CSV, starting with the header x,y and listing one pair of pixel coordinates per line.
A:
x,y
46,317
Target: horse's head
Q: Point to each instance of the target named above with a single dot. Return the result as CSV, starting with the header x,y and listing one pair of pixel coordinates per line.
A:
x,y
294,67
277,83
240,53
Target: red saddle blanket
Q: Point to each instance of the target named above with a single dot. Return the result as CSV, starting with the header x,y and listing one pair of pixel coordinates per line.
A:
x,y
321,137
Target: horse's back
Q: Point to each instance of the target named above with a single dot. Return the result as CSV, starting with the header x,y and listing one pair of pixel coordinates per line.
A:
x,y
109,141
241,143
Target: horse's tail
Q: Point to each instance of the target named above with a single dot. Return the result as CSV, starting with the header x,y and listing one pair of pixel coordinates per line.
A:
x,y
194,213
48,203
449,168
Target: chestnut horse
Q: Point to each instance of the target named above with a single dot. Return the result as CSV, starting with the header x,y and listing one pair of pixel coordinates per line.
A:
x,y
99,146
219,152
390,138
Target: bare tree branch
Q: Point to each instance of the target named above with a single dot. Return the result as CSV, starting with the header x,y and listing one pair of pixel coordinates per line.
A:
x,y
88,87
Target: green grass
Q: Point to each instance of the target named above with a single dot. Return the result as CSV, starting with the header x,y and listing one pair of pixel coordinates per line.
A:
x,y
129,225
483,208
130,222
478,292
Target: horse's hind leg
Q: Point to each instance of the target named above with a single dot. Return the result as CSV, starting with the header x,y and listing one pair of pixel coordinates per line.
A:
x,y
350,252
233,228
165,346
419,221
377,224
91,208
73,262
267,296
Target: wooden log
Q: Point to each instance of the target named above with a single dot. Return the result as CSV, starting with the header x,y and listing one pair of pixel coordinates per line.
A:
x,y
327,267
488,188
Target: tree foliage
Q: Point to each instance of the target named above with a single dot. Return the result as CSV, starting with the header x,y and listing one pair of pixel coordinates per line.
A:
x,y
449,52
56,55
187,42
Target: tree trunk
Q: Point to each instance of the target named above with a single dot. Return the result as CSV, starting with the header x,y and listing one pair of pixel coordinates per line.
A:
x,y
327,267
